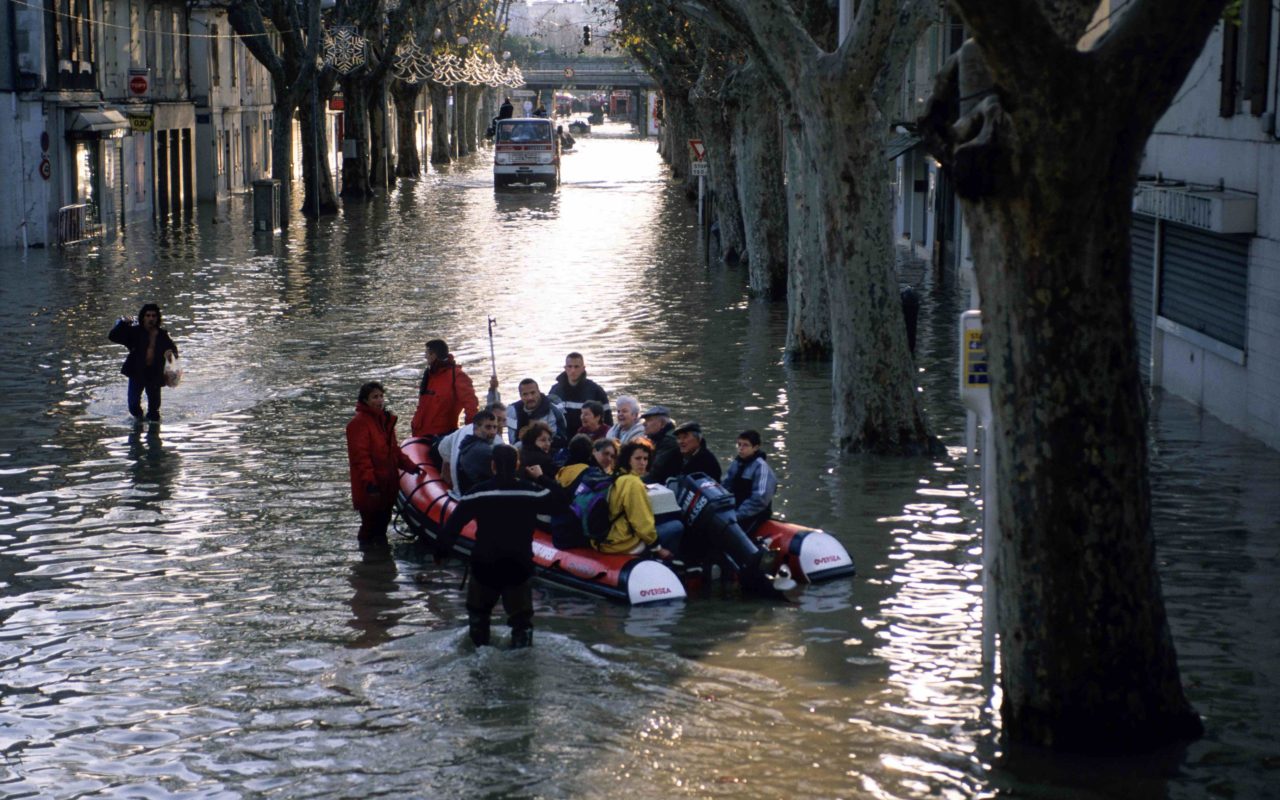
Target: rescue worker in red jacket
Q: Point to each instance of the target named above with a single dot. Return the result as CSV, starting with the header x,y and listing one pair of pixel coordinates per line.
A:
x,y
444,393
376,460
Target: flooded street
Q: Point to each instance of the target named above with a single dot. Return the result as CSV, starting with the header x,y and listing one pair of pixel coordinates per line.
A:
x,y
185,614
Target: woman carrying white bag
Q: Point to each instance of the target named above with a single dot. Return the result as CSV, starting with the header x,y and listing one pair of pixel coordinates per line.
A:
x,y
148,363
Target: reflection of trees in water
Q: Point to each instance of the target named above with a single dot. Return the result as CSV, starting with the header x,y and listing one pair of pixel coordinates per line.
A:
x,y
375,608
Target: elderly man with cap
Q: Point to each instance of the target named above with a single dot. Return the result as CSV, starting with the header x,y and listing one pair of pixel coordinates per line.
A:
x,y
694,455
658,428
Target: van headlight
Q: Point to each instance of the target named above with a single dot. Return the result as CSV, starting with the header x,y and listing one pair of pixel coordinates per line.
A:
x,y
502,158
544,158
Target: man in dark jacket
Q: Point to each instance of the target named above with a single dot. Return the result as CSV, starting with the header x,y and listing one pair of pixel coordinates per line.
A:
x,y
475,452
574,388
148,343
535,406
505,110
666,454
694,455
505,509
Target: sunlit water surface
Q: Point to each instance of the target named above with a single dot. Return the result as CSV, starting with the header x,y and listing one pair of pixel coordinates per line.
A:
x,y
184,614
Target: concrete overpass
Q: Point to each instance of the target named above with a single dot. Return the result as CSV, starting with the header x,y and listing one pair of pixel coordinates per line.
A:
x,y
584,73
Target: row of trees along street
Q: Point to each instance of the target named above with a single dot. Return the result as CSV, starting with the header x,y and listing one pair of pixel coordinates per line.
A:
x,y
395,54
1043,141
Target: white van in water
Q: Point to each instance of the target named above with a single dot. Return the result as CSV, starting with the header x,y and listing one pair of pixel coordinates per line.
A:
x,y
526,150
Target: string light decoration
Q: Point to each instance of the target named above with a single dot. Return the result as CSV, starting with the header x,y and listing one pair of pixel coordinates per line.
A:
x,y
344,48
411,64
446,69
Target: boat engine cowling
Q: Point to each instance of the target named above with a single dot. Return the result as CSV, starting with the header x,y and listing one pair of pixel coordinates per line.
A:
x,y
711,523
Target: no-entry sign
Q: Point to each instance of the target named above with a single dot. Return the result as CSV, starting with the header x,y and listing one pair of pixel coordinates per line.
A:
x,y
139,82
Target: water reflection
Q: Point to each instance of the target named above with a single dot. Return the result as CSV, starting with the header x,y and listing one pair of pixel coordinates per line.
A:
x,y
375,607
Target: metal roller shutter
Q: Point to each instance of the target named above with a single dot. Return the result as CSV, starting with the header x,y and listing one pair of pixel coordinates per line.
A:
x,y
1204,282
1142,257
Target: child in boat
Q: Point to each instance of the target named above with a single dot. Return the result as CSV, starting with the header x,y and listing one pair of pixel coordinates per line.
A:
x,y
505,508
752,482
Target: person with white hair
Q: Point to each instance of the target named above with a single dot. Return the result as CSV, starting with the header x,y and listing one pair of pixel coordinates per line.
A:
x,y
629,424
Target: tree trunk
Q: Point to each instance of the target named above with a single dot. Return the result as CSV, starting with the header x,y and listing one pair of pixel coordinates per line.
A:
x,y
356,183
408,161
808,311
873,376
757,148
439,123
379,138
714,125
318,197
678,132
472,117
456,148
282,153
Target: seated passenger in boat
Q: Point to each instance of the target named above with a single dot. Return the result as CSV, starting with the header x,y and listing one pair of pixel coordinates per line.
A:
x,y
694,455
448,446
666,453
629,425
591,420
580,459
605,453
536,406
752,482
475,452
535,451
634,530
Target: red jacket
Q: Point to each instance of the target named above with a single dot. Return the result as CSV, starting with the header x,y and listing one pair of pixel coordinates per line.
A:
x,y
375,458
445,392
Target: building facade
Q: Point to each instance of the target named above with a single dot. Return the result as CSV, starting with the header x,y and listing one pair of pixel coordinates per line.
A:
x,y
1206,231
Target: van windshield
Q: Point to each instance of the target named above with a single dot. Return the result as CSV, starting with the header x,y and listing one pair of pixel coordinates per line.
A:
x,y
522,131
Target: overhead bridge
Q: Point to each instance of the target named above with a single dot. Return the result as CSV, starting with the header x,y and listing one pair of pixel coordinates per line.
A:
x,y
585,73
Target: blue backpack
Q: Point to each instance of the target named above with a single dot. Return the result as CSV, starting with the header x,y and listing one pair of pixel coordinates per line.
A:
x,y
590,505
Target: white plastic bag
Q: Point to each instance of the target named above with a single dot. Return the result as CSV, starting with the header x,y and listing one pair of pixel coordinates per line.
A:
x,y
172,369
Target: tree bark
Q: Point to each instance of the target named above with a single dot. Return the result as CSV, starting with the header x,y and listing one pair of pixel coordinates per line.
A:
x,y
757,149
1045,166
714,126
808,311
472,118
318,197
379,137
356,181
408,160
439,123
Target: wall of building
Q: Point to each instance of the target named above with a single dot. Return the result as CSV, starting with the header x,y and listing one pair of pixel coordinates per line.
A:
x,y
1194,143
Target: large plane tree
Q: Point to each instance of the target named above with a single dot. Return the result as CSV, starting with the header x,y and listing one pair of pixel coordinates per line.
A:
x,y
1044,138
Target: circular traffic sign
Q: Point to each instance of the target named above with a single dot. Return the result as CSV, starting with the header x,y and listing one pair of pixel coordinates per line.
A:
x,y
138,84
568,72
46,169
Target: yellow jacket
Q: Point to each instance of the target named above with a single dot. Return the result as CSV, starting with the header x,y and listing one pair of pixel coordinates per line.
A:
x,y
569,473
633,516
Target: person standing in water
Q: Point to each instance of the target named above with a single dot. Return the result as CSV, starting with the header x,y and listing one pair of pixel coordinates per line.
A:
x,y
148,343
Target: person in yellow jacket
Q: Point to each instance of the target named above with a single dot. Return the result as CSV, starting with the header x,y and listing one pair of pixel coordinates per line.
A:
x,y
633,528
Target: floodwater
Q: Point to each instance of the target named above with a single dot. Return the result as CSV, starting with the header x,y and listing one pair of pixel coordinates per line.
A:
x,y
185,615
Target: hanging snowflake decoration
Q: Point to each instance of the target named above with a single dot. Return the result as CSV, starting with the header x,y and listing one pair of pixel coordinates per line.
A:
x,y
473,71
344,49
514,77
411,64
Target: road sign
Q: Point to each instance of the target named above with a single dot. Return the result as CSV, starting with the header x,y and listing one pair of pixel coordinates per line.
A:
x,y
568,72
698,148
139,82
698,169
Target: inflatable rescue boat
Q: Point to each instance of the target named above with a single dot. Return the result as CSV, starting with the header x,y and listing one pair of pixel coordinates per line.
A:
x,y
762,562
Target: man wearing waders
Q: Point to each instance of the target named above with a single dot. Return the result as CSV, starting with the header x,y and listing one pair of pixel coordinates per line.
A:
x,y
504,508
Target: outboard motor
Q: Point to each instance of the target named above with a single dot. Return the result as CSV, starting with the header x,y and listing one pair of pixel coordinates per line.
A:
x,y
707,509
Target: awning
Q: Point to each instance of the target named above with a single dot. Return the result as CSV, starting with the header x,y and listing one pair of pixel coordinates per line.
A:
x,y
93,122
899,144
